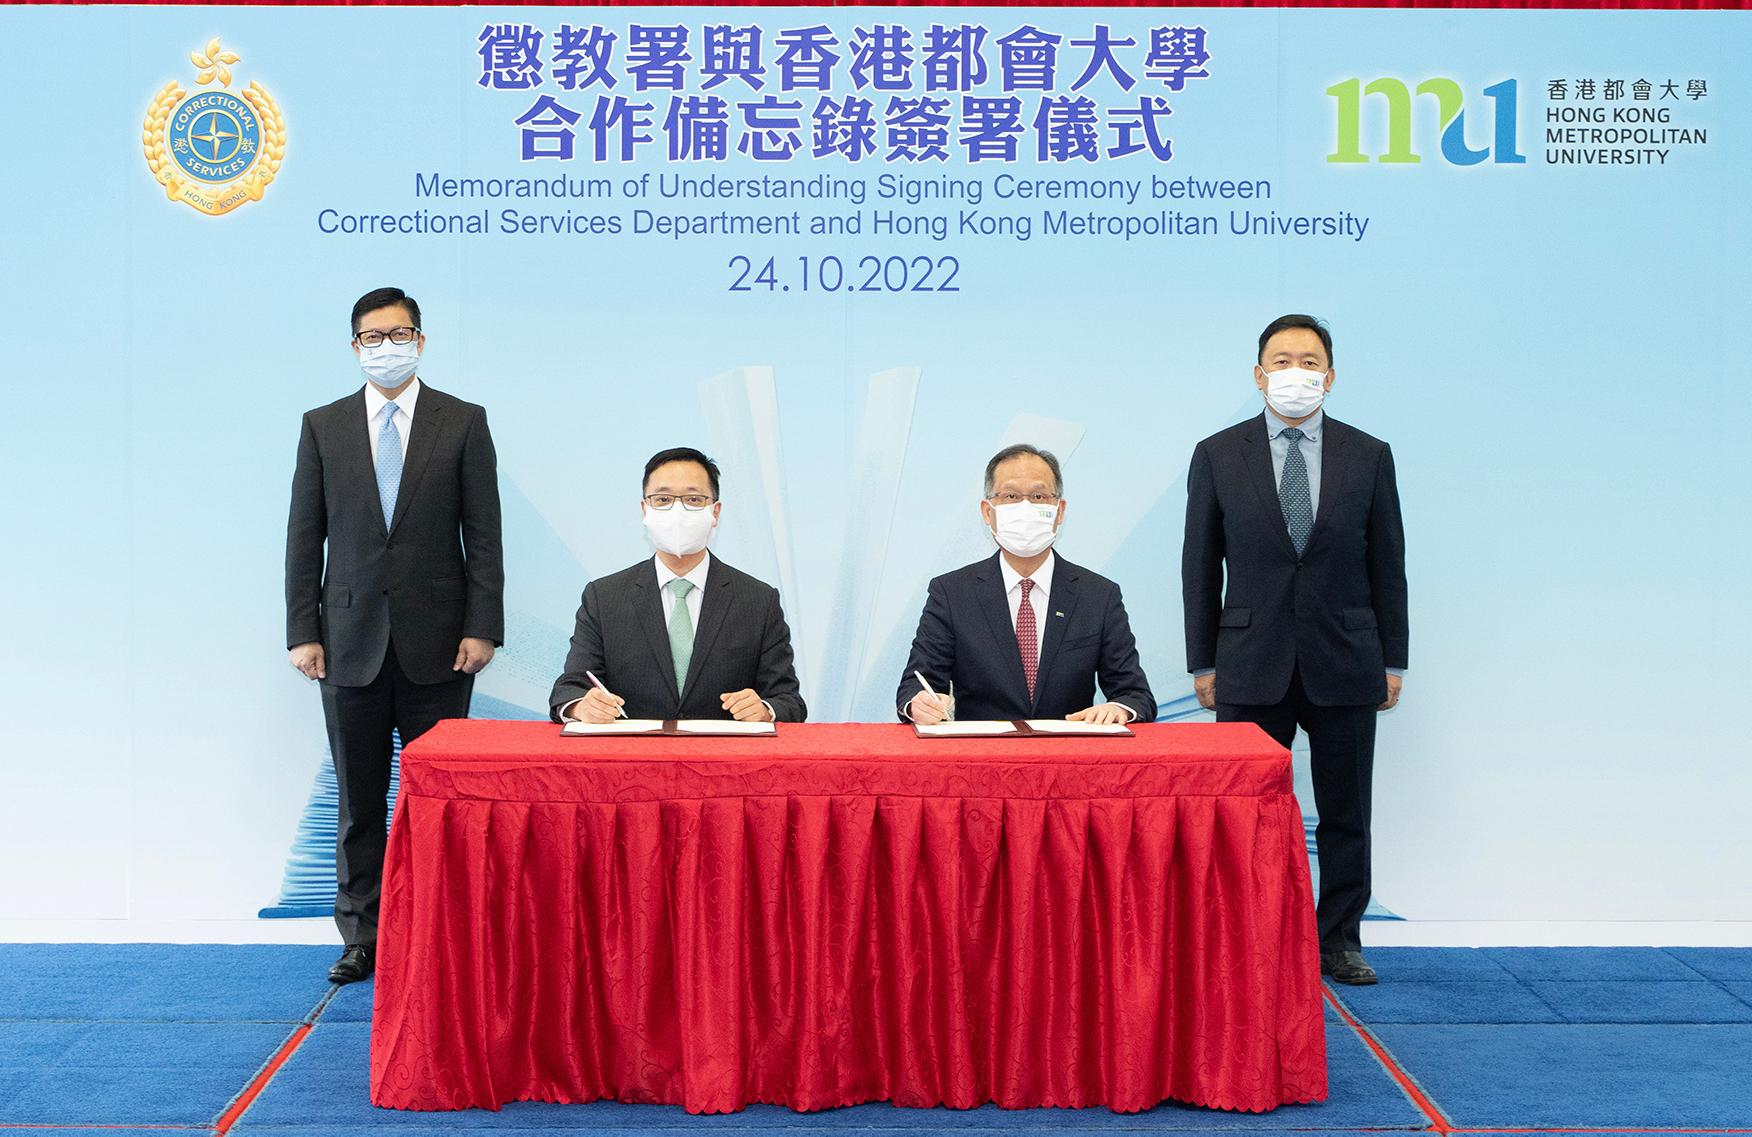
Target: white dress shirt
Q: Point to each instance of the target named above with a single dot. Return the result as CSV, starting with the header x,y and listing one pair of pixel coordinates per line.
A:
x,y
404,415
696,577
1037,598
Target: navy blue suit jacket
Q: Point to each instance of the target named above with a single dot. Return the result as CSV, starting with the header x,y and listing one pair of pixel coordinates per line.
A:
x,y
1337,612
966,635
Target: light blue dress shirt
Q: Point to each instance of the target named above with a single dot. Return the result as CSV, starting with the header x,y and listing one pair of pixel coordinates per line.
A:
x,y
1314,432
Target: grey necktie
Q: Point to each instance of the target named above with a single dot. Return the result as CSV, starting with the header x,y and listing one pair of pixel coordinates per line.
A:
x,y
1293,496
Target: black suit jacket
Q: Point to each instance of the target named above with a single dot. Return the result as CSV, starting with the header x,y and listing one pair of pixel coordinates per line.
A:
x,y
434,575
965,634
741,642
1338,612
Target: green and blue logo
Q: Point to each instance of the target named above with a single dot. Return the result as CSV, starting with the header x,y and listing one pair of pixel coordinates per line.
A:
x,y
1451,115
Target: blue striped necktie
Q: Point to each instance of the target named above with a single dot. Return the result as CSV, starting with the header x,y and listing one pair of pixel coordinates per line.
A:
x,y
389,463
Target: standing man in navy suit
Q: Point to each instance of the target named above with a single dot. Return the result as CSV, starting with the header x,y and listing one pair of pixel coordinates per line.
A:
x,y
1024,634
1301,513
394,582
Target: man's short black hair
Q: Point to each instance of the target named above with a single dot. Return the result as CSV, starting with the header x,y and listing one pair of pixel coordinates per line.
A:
x,y
1016,451
384,298
680,454
1297,320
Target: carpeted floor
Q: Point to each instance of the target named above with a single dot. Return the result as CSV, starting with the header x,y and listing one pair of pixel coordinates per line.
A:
x,y
125,1040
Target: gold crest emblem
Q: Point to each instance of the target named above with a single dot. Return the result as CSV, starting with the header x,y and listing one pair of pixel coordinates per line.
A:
x,y
214,149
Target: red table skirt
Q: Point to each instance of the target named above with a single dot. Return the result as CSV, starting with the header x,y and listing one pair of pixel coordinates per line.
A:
x,y
847,914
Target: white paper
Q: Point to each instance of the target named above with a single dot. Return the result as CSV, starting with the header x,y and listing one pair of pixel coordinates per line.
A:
x,y
618,726
1066,726
967,728
722,726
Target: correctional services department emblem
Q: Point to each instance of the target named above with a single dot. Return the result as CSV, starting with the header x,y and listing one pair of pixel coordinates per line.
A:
x,y
214,149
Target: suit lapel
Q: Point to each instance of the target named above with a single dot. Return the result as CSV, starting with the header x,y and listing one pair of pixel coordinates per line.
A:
x,y
1054,617
422,440
356,452
1256,448
713,605
989,587
648,605
1335,468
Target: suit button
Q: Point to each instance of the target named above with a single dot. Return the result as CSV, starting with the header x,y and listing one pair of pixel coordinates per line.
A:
x,y
386,591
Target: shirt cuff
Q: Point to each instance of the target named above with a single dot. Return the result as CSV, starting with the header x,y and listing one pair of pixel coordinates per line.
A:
x,y
565,714
1203,671
772,715
1399,671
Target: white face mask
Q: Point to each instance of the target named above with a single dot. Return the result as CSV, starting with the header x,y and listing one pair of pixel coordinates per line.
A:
x,y
678,530
1024,529
389,365
1295,392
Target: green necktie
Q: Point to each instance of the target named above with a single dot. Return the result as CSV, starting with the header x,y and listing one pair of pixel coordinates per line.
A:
x,y
681,630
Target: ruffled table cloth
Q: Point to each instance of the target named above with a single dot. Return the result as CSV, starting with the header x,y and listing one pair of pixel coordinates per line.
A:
x,y
847,913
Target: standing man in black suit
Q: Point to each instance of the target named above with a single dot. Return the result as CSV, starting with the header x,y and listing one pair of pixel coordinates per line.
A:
x,y
1024,634
400,481
683,635
1302,512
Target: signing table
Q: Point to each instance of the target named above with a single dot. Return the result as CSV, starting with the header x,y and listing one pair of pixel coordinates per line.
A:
x,y
847,913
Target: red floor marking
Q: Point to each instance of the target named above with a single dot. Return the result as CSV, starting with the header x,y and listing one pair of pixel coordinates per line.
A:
x,y
248,1096
1438,1120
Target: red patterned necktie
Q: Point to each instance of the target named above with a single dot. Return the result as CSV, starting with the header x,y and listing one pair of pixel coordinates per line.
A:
x,y
1026,638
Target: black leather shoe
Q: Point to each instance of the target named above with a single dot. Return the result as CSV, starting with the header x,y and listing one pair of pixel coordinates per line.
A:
x,y
354,965
1348,967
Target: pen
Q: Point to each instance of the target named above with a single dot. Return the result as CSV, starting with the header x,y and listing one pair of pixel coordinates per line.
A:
x,y
926,684
620,712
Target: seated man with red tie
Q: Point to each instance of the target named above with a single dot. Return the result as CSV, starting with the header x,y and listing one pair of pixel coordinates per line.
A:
x,y
1024,634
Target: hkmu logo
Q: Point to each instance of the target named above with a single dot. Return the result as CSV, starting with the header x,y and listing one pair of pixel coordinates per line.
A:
x,y
1451,112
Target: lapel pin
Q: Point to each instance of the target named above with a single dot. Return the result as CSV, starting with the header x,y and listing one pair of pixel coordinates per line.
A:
x,y
1060,615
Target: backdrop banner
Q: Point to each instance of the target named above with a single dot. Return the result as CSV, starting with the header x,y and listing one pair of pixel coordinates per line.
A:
x,y
850,253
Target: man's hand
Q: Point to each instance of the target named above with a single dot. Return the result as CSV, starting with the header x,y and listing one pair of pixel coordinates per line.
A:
x,y
745,706
1205,687
1103,713
308,658
1393,685
472,654
598,706
927,709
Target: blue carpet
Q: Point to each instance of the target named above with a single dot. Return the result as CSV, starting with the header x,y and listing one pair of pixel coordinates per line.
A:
x,y
167,982
1591,963
166,1035
351,1004
1398,965
117,1131
1716,963
128,1073
1579,1075
326,1083
1458,1002
1620,1001
428,1128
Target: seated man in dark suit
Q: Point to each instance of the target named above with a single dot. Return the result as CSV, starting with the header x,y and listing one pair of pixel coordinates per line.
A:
x,y
1024,634
682,636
